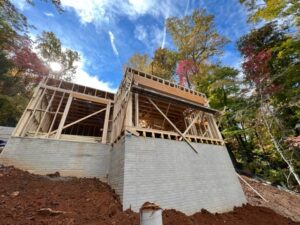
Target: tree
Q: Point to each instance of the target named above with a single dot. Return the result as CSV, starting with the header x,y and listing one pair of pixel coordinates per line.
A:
x,y
196,40
195,36
273,10
164,63
261,67
140,62
51,51
186,69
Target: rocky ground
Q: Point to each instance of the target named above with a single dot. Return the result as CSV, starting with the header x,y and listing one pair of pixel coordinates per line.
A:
x,y
27,199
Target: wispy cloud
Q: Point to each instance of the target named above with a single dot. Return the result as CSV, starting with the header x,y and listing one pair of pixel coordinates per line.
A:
x,y
140,33
84,78
164,36
106,11
48,14
112,42
187,7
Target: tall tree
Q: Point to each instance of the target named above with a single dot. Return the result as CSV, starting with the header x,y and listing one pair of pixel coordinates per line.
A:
x,y
140,62
164,63
196,40
273,10
51,51
260,51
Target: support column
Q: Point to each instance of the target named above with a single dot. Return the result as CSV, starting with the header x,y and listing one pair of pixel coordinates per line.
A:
x,y
106,121
128,116
136,96
64,116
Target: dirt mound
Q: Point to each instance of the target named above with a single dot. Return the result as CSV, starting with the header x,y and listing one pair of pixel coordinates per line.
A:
x,y
283,202
30,199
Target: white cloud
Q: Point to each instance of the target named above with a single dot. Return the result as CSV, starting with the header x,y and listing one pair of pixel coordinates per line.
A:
x,y
152,36
21,4
83,78
104,11
140,33
164,37
112,42
49,14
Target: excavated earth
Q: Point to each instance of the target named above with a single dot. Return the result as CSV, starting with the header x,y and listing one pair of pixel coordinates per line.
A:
x,y
31,199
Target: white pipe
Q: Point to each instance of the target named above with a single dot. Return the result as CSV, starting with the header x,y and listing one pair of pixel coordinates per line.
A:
x,y
150,214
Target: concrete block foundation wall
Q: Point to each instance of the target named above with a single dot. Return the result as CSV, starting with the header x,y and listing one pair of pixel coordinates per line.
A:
x,y
166,172
44,156
172,175
5,133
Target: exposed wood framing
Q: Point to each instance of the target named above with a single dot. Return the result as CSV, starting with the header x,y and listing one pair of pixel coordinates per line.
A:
x,y
64,117
145,105
105,128
170,122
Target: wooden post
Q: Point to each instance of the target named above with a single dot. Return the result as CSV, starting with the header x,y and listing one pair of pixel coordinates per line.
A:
x,y
190,126
64,116
136,110
45,113
40,98
173,125
128,119
26,114
106,121
57,111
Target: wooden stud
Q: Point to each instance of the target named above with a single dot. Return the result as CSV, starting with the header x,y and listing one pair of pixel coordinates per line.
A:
x,y
64,117
170,122
106,121
136,98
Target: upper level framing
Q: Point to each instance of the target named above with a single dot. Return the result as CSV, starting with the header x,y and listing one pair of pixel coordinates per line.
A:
x,y
144,105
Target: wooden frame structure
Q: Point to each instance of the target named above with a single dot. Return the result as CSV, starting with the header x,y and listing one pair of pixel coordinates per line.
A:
x,y
67,111
149,106
144,105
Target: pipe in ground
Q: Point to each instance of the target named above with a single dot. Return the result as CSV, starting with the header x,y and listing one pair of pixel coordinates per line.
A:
x,y
150,214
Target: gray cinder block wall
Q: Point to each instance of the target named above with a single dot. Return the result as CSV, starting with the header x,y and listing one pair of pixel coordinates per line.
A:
x,y
172,175
166,172
5,132
69,158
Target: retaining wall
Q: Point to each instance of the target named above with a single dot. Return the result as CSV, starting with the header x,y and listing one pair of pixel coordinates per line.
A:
x,y
69,158
172,175
5,132
140,169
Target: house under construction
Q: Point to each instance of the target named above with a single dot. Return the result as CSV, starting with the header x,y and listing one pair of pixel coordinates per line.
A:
x,y
153,140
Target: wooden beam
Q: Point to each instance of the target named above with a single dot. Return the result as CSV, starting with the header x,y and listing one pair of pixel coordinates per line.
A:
x,y
78,95
191,124
64,116
79,120
170,122
106,121
128,119
46,111
40,98
136,120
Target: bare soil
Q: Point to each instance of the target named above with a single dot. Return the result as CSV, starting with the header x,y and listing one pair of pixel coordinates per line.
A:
x,y
27,199
283,202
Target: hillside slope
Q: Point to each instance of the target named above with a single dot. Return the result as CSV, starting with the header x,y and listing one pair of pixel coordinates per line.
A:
x,y
32,199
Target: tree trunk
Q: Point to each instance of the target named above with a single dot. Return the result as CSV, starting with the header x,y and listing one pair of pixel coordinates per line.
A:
x,y
278,149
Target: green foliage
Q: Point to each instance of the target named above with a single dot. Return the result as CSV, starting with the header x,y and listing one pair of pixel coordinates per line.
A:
x,y
11,109
51,50
140,62
20,66
195,36
273,10
164,63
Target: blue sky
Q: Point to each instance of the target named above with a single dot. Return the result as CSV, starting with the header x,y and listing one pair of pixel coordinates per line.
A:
x,y
107,32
